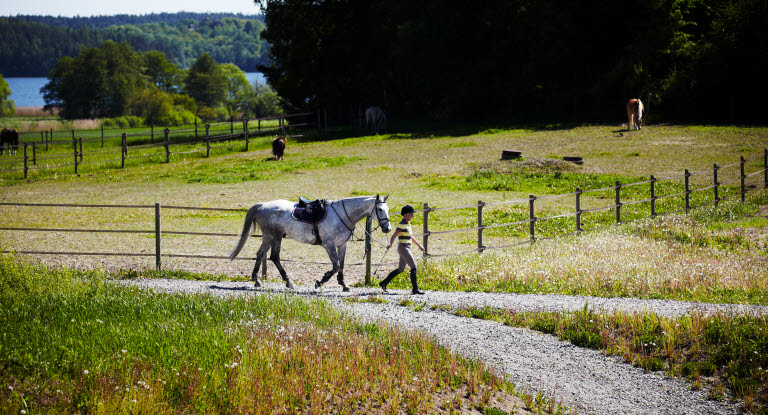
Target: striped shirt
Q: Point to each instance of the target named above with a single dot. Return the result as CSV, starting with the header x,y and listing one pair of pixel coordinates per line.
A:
x,y
405,232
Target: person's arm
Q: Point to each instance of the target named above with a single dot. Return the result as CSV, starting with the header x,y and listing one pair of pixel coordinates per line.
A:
x,y
392,239
417,244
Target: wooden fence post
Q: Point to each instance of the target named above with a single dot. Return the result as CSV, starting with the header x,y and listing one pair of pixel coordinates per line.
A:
x,y
124,148
282,126
74,147
578,210
653,196
102,135
158,262
743,177
34,154
618,202
532,218
151,133
207,140
716,185
195,127
425,238
687,191
480,246
167,133
368,230
765,166
25,160
80,139
231,124
246,134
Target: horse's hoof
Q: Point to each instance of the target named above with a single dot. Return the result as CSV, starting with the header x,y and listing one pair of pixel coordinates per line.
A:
x,y
318,284
345,289
256,284
289,285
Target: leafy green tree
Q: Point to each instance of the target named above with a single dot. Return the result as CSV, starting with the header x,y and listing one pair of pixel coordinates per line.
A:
x,y
97,83
265,102
239,90
7,106
161,72
206,82
151,104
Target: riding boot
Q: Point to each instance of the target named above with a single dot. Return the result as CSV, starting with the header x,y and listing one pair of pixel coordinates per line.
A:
x,y
415,284
385,281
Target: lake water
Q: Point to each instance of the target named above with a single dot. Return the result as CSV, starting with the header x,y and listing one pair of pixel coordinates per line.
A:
x,y
25,92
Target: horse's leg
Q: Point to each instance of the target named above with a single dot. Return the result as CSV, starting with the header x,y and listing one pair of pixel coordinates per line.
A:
x,y
265,245
275,257
334,261
340,277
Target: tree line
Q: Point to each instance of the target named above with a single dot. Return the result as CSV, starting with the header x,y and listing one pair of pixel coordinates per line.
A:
x,y
32,45
699,60
114,80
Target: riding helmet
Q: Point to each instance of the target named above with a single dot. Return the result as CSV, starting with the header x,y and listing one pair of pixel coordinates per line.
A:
x,y
407,209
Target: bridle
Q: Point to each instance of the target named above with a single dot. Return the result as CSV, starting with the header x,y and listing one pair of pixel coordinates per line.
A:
x,y
351,229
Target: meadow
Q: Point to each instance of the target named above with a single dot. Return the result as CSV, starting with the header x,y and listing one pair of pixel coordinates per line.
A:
x,y
712,254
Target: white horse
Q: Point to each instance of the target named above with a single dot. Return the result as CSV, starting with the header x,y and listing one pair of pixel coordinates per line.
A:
x,y
334,231
635,113
375,120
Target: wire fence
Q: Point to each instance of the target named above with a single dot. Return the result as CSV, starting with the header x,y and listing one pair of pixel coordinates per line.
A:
x,y
664,198
157,146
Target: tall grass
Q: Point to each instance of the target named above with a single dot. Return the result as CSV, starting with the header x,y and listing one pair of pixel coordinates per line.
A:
x,y
725,354
73,342
675,257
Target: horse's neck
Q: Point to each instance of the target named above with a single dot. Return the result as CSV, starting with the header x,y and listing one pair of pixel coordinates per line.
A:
x,y
357,207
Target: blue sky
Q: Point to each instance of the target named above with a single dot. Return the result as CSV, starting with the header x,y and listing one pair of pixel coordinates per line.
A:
x,y
109,7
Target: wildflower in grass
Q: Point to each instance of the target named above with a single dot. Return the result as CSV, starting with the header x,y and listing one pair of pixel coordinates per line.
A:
x,y
10,387
85,372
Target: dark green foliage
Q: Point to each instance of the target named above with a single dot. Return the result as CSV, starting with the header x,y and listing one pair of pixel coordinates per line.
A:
x,y
206,81
32,45
97,83
545,59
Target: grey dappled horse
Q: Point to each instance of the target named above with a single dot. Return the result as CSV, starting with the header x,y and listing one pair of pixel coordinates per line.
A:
x,y
275,221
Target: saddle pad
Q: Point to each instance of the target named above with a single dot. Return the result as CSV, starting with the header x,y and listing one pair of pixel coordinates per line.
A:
x,y
308,214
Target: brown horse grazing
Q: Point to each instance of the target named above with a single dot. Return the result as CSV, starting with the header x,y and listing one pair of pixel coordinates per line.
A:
x,y
278,147
635,114
10,137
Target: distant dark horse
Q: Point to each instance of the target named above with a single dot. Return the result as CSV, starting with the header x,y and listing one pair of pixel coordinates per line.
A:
x,y
635,114
375,120
278,147
10,137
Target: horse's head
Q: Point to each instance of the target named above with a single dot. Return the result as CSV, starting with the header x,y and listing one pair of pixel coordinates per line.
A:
x,y
381,210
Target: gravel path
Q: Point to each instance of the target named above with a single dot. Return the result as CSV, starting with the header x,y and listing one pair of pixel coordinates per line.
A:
x,y
593,383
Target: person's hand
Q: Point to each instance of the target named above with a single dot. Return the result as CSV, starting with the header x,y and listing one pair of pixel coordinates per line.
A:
x,y
389,246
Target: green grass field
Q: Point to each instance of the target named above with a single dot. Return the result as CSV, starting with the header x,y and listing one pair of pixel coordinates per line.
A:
x,y
712,255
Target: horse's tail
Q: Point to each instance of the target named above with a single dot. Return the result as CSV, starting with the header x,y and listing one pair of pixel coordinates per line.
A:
x,y
248,226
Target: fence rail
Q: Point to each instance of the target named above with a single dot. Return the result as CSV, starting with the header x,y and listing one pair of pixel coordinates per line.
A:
x,y
27,157
532,220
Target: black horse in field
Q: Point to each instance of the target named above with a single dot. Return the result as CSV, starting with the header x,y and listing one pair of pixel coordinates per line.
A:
x,y
11,138
278,148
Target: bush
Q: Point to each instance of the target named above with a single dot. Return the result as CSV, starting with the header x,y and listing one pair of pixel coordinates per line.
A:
x,y
126,121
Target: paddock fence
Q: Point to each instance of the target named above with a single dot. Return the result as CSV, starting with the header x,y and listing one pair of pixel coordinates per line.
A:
x,y
665,197
150,143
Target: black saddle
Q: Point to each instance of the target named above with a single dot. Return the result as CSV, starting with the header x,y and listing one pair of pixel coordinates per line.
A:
x,y
309,211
